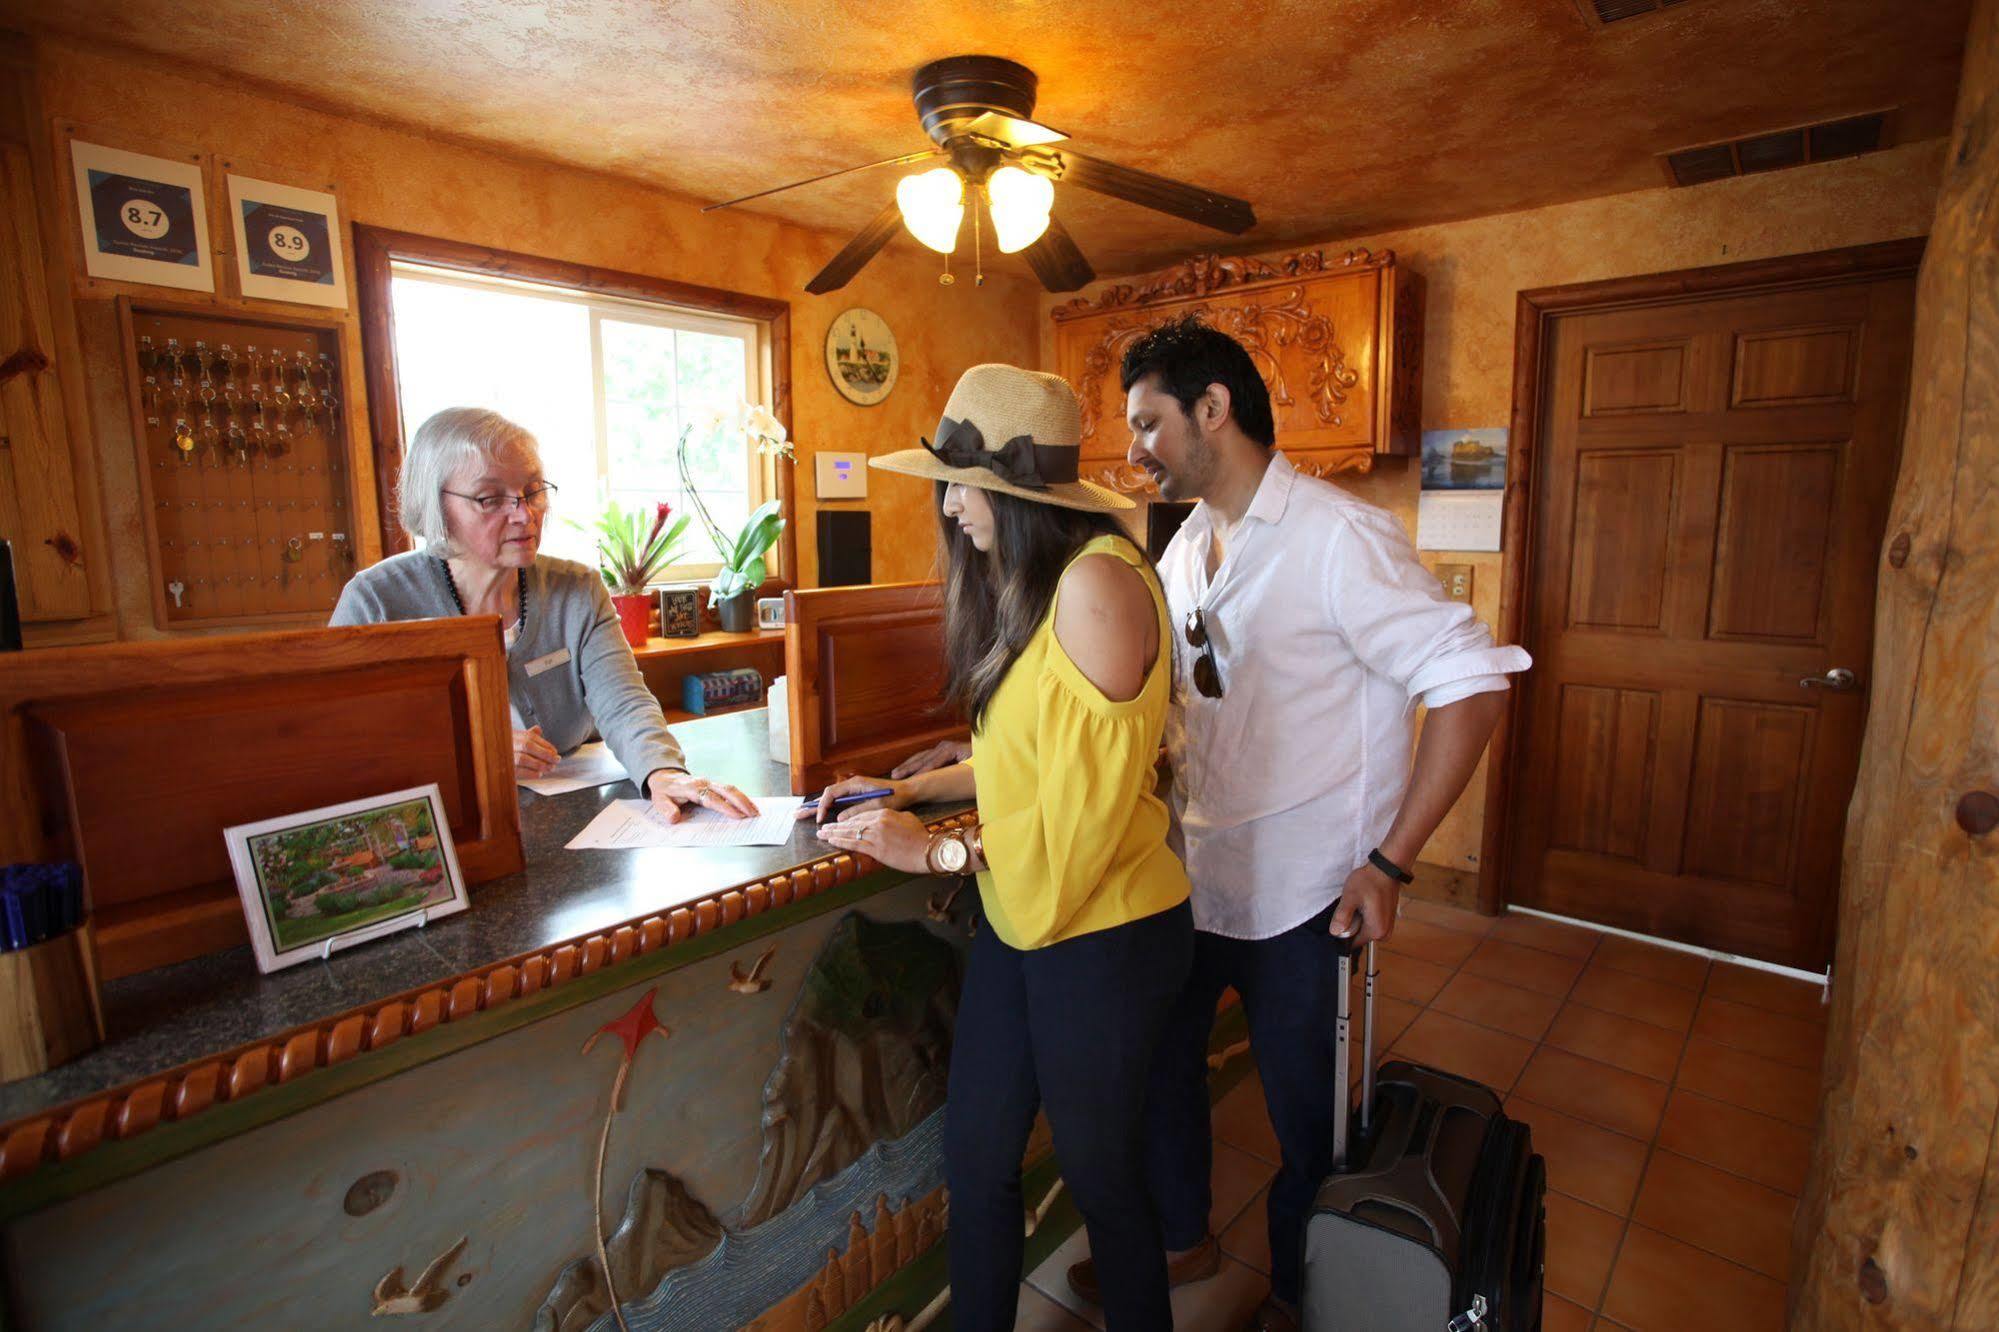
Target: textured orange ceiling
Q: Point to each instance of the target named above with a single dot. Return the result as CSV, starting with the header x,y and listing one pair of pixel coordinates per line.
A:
x,y
1333,117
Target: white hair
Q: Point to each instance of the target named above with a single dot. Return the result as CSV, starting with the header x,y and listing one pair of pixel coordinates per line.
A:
x,y
441,447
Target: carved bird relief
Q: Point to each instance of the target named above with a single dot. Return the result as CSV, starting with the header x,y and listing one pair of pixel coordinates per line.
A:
x,y
753,981
392,1297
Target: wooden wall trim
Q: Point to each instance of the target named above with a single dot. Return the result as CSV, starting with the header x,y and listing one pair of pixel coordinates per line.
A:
x,y
1536,311
56,1137
376,248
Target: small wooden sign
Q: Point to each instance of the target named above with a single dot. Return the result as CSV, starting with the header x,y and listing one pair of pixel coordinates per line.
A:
x,y
680,612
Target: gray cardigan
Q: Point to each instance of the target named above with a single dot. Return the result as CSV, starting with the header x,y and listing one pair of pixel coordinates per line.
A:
x,y
569,672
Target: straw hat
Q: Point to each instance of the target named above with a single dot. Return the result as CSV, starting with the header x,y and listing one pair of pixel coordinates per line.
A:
x,y
1010,430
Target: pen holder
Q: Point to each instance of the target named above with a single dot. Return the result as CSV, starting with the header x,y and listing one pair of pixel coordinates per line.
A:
x,y
49,1010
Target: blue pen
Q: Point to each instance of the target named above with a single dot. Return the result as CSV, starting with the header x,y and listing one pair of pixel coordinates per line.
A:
x,y
851,798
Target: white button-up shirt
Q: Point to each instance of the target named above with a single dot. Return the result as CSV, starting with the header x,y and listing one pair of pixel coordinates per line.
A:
x,y
1327,633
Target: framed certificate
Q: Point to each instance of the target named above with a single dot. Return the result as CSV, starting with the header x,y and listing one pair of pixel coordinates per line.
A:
x,y
144,218
288,245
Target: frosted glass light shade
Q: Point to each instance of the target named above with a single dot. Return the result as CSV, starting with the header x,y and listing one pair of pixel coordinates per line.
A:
x,y
933,204
1020,202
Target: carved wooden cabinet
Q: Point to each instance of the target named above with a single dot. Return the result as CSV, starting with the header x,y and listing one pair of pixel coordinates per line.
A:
x,y
1339,341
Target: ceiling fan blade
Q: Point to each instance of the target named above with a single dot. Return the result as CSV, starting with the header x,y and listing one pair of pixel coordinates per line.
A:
x,y
1220,211
1012,131
1056,260
903,160
854,257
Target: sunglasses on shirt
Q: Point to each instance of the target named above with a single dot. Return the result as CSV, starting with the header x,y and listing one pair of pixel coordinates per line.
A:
x,y
1207,675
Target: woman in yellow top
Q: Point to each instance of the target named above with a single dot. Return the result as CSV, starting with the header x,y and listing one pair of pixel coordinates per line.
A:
x,y
1060,654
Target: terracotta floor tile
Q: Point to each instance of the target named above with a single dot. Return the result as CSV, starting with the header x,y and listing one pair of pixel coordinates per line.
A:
x,y
1392,1017
1450,917
1241,1121
1582,1242
1410,979
1607,1097
1599,1167
1431,943
1745,1080
1456,1046
1247,1239
1529,968
1626,995
1224,1301
1492,1003
1559,1315
1754,1146
1037,1313
1787,1040
1717,1211
1622,1042
1662,1285
1687,970
1237,1177
1547,935
1764,989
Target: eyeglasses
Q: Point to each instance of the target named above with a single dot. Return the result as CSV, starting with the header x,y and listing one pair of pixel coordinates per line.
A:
x,y
535,500
1207,675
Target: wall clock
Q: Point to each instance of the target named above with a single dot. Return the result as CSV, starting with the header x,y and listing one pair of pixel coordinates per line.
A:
x,y
861,357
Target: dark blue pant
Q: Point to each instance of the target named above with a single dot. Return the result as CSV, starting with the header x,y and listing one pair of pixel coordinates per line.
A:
x,y
1071,1027
1288,985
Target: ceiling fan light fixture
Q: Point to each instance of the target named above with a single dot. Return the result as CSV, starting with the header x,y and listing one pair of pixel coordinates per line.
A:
x,y
933,206
1019,201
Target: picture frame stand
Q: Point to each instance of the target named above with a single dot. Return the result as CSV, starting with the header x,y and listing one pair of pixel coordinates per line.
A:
x,y
370,933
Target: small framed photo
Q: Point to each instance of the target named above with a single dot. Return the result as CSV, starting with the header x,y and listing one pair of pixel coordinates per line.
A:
x,y
324,879
680,612
144,218
287,243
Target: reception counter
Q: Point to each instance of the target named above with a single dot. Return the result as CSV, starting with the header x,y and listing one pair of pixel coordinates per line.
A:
x,y
426,1124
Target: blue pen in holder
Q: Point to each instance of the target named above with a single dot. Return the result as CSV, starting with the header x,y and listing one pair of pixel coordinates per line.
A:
x,y
48,971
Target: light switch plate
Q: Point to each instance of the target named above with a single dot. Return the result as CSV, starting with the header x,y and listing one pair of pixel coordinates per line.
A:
x,y
841,475
1456,579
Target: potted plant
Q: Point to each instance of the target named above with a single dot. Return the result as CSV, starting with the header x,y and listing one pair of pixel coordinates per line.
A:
x,y
632,551
732,594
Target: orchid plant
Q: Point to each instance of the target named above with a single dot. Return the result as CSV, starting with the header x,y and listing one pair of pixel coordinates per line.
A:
x,y
632,551
743,555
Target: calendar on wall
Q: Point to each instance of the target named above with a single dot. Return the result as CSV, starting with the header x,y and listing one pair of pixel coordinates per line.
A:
x,y
1464,489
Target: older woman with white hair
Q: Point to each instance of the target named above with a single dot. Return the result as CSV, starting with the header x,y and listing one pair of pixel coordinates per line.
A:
x,y
472,493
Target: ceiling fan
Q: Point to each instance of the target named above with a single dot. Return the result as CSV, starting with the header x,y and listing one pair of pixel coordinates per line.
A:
x,y
989,154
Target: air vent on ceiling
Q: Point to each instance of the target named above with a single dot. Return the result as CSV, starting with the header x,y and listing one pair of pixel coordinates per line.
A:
x,y
1603,13
1846,137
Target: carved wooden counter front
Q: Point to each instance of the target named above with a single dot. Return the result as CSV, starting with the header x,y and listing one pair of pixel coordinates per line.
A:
x,y
1339,342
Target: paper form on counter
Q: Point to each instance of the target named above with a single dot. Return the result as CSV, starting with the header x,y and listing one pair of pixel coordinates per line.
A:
x,y
635,823
589,765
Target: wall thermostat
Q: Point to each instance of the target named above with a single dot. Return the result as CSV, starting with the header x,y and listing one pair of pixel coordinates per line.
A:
x,y
770,612
841,475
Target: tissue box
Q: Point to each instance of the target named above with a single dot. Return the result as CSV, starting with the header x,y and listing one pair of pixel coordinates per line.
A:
x,y
701,694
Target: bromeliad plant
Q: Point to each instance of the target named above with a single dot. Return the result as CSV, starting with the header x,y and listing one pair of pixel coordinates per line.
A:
x,y
743,563
632,550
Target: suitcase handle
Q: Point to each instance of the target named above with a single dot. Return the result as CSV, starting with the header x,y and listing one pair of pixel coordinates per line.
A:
x,y
1343,1047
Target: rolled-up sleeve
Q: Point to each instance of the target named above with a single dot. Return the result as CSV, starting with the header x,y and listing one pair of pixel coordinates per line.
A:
x,y
1399,622
627,715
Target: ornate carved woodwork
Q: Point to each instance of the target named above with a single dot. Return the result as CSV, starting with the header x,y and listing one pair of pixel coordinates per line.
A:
x,y
1338,341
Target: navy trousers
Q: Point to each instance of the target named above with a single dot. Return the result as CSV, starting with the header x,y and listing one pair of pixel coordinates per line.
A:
x,y
1073,1028
1288,985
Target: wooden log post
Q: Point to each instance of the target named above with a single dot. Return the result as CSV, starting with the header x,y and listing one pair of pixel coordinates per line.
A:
x,y
1899,1223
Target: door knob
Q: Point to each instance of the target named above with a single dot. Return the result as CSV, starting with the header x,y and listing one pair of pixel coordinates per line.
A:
x,y
1839,680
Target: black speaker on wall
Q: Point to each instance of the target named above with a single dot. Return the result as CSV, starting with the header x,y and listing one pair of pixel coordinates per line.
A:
x,y
846,551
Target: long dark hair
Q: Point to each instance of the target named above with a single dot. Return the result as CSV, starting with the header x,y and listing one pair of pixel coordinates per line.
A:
x,y
994,602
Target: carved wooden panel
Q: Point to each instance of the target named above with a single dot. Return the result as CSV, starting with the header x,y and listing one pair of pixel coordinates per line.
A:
x,y
1603,779
1787,367
1624,507
1775,541
1635,379
1339,343
1751,765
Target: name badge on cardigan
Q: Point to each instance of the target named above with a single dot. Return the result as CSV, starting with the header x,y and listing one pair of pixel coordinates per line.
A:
x,y
547,663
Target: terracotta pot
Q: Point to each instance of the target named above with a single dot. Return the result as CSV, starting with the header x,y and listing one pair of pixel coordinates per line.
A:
x,y
633,612
738,614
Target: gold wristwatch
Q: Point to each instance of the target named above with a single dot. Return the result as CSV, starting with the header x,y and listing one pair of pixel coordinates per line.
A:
x,y
947,853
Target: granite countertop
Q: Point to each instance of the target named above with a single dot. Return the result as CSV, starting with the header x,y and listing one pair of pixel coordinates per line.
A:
x,y
160,1019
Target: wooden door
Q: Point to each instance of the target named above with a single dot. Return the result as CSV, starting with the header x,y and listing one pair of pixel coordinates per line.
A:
x,y
1709,506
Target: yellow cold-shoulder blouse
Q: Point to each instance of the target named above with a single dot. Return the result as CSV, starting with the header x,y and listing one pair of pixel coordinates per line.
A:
x,y
1075,839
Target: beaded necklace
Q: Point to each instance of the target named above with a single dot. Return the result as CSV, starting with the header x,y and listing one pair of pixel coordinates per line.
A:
x,y
459,602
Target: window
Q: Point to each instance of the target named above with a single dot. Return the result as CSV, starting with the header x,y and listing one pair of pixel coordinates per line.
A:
x,y
604,382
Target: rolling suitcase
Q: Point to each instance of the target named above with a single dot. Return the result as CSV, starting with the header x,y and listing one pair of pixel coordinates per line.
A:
x,y
1436,1221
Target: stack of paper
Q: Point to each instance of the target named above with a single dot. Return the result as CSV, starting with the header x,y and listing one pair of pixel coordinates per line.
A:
x,y
635,823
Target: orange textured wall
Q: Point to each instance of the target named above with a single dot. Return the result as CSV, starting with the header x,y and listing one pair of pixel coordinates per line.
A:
x,y
404,180
1475,271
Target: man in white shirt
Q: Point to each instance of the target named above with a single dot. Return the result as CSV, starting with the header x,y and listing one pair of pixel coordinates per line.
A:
x,y
1309,633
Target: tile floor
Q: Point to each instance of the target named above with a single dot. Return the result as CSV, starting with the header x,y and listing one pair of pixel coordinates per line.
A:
x,y
1673,1100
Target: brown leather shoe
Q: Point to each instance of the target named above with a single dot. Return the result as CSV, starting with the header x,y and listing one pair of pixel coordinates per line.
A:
x,y
1274,1315
1197,1264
